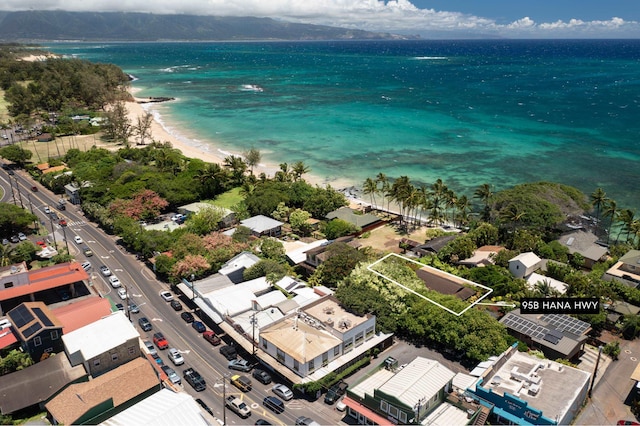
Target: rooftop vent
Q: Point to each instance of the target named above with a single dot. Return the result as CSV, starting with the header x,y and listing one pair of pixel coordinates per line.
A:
x,y
344,323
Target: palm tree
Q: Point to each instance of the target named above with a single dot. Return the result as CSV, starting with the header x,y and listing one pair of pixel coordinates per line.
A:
x,y
598,199
626,216
464,206
298,169
213,177
512,214
237,166
6,251
484,194
382,185
610,211
284,174
451,200
370,187
400,192
252,157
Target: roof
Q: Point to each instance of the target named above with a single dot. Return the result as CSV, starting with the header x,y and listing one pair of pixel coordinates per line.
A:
x,y
298,253
528,259
7,338
235,299
421,378
584,243
558,285
54,169
83,312
348,215
260,223
164,408
37,383
370,414
31,318
47,278
482,256
443,283
328,311
100,336
75,401
239,262
624,308
632,257
636,374
435,244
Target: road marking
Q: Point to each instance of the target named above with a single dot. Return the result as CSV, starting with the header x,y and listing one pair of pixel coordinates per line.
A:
x,y
105,257
157,319
91,241
184,352
118,270
136,295
111,251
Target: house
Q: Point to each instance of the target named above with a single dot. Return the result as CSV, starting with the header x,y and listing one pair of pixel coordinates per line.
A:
x,y
262,225
82,312
405,396
38,330
523,389
444,283
584,244
103,345
364,222
35,385
296,250
45,137
234,267
557,285
483,256
228,217
99,399
320,253
626,270
524,264
433,246
556,335
618,309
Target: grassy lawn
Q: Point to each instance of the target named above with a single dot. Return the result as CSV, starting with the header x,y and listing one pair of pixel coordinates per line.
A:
x,y
229,198
4,112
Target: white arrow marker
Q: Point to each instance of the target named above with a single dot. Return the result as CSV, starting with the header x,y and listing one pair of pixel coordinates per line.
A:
x,y
91,241
184,352
105,257
156,319
111,251
118,270
136,295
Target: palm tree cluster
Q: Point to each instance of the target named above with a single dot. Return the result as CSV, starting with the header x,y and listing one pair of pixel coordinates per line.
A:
x,y
626,219
439,202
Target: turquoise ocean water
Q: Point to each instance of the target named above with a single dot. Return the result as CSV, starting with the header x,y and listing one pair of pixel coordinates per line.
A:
x,y
469,112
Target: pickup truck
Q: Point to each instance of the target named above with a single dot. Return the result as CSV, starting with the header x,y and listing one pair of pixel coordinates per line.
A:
x,y
194,379
239,407
160,341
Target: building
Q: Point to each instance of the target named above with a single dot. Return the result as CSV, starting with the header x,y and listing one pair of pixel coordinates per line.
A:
x,y
97,400
557,285
483,256
523,389
433,246
228,217
524,264
626,270
263,226
406,396
104,344
38,330
319,254
444,283
556,335
584,243
82,312
296,250
234,267
364,222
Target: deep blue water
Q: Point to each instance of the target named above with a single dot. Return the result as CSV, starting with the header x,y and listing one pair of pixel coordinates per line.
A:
x,y
469,112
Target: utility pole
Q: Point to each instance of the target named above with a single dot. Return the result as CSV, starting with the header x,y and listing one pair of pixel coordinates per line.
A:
x,y
253,337
127,303
18,190
224,399
595,370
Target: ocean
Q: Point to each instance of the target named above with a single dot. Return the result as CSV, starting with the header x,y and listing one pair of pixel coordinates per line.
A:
x,y
501,112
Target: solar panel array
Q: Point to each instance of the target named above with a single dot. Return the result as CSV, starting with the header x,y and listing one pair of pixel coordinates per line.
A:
x,y
566,323
44,319
36,326
21,316
525,326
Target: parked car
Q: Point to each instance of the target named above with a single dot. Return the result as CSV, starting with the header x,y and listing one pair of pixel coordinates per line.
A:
x,y
133,308
229,352
114,281
274,404
211,337
144,323
241,382
176,305
261,376
204,406
86,265
172,375
240,365
166,295
40,243
120,307
335,392
194,379
262,422
46,210
122,293
341,406
306,421
282,391
105,271
21,236
160,341
199,326
175,356
150,347
62,222
15,239
157,359
78,240
187,317
87,251
5,241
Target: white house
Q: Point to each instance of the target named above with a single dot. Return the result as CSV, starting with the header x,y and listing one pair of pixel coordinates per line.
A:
x,y
524,264
262,225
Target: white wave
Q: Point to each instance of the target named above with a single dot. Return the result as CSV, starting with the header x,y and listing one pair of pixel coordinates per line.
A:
x,y
175,68
431,58
251,88
225,153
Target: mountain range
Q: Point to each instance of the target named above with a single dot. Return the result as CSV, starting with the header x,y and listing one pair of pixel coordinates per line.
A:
x,y
120,26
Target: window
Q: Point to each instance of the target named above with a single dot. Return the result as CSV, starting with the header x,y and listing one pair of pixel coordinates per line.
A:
x,y
369,333
96,362
384,406
8,285
403,417
37,341
325,359
348,346
359,339
435,397
393,411
114,357
264,343
296,365
132,350
336,351
54,334
280,355
312,365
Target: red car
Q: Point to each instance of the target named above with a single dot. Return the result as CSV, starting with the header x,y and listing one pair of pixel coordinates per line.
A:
x,y
41,243
63,222
160,341
211,337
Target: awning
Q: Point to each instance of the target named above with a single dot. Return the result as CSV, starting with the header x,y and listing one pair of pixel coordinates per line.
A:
x,y
371,415
636,374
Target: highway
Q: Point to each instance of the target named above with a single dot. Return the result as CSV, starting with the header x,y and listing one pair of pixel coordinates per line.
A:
x,y
143,290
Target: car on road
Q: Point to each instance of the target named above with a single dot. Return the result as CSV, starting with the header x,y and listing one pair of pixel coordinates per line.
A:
x,y
229,352
172,375
282,391
194,379
211,337
160,341
120,307
176,305
15,239
123,293
241,382
133,308
105,271
157,359
34,188
21,236
262,422
46,209
187,317
274,404
240,365
204,406
78,240
261,376
86,265
62,222
175,356
150,347
335,392
87,251
114,281
166,295
199,326
144,323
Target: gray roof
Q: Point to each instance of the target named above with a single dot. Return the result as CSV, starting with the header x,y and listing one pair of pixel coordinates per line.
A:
x,y
261,223
37,383
584,243
348,215
631,258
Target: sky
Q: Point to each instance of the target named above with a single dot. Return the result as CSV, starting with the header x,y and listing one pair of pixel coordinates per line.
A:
x,y
426,18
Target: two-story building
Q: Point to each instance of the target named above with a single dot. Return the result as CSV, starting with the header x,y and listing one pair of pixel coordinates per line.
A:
x,y
626,270
38,330
524,264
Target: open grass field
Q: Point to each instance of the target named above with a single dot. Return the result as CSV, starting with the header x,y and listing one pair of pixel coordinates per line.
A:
x,y
229,198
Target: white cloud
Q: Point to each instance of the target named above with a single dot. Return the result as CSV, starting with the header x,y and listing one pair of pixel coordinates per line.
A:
x,y
398,16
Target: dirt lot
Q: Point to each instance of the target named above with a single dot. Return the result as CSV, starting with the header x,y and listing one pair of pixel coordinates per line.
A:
x,y
387,238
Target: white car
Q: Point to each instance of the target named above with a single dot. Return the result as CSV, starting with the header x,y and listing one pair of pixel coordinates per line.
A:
x,y
122,293
283,392
47,210
78,240
114,281
175,356
105,271
166,295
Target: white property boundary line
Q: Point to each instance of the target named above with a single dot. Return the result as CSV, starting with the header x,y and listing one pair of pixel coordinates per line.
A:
x,y
370,268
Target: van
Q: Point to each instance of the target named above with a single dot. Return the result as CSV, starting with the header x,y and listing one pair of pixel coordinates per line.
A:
x,y
241,382
274,404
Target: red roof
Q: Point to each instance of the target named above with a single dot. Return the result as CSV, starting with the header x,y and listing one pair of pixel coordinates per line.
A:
x,y
47,278
372,415
84,312
7,338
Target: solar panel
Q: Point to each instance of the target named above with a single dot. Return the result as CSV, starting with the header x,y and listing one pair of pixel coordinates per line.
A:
x,y
566,323
525,326
551,339
44,319
21,316
555,333
31,329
